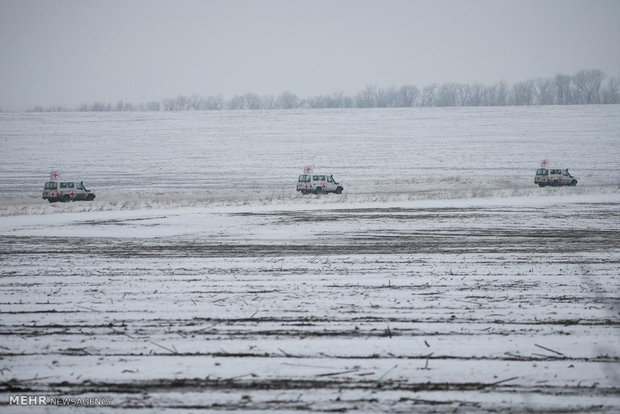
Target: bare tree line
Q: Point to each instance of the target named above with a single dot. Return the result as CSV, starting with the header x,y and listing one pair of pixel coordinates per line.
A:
x,y
584,87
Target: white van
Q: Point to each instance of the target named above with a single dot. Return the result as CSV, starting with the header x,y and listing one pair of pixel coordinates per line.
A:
x,y
318,183
66,191
555,177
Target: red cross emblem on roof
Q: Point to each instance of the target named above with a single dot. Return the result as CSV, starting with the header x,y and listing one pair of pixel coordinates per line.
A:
x,y
307,169
55,174
544,163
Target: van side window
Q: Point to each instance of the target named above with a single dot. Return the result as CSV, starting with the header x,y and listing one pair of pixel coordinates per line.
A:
x,y
315,178
63,185
79,186
70,185
322,178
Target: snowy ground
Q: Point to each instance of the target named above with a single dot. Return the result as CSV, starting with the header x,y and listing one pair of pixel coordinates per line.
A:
x,y
433,294
167,160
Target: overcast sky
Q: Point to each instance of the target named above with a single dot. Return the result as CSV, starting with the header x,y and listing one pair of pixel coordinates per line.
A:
x,y
65,52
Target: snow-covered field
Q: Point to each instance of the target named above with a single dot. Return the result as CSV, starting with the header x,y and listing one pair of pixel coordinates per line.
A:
x,y
160,160
442,280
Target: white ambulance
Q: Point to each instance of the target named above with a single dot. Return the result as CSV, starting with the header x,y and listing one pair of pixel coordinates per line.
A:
x,y
58,189
311,183
554,177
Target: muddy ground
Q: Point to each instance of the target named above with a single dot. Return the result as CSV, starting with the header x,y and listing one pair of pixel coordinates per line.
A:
x,y
400,310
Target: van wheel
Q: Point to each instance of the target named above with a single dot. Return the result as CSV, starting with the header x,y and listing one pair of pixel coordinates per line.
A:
x,y
541,185
573,183
51,200
339,190
318,190
555,184
66,199
90,197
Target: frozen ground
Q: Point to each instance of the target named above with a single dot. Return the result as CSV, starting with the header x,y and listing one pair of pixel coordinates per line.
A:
x,y
471,305
163,160
433,294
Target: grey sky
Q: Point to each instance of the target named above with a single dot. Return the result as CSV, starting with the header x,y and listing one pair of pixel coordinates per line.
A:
x,y
70,52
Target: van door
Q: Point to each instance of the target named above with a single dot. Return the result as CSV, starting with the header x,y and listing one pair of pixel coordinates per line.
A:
x,y
71,190
62,189
80,193
331,186
315,182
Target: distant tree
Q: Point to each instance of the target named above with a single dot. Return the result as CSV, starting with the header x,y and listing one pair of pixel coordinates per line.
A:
x,y
563,90
584,87
588,85
447,95
500,96
490,95
523,93
611,91
316,102
428,95
196,103
100,107
287,100
545,91
252,101
344,101
386,97
366,98
407,96
168,104
475,95
236,102
182,103
269,102
214,103
335,100
152,106
123,106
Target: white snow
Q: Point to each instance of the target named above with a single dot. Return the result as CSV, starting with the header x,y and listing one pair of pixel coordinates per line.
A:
x,y
442,279
164,160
